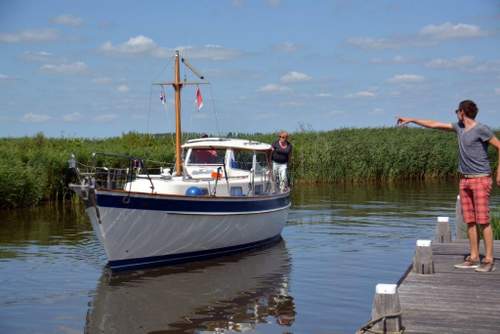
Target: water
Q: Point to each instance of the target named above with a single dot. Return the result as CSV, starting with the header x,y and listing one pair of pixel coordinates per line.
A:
x,y
338,244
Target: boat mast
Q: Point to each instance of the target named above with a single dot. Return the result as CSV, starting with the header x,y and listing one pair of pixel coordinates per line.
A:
x,y
178,134
178,84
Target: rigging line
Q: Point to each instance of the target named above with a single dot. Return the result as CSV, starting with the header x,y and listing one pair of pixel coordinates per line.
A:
x,y
212,104
149,108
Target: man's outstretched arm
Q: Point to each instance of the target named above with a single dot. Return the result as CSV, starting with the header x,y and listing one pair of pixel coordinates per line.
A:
x,y
425,123
495,142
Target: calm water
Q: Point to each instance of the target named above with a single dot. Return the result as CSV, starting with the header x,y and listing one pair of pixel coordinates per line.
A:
x,y
338,244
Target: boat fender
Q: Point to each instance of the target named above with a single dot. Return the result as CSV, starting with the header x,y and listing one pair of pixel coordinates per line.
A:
x,y
196,191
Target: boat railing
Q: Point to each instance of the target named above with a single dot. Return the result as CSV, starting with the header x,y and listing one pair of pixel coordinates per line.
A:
x,y
108,171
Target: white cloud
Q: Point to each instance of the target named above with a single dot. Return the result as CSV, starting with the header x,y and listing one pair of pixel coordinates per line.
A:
x,y
209,52
102,81
122,88
68,20
324,95
406,78
293,76
451,31
286,47
105,118
377,111
142,45
273,88
73,117
394,60
459,62
42,35
73,68
274,3
35,118
427,36
138,45
6,77
373,43
37,56
361,94
291,104
497,91
237,3
336,113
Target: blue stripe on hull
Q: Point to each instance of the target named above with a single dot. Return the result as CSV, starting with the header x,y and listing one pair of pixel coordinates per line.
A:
x,y
176,204
154,261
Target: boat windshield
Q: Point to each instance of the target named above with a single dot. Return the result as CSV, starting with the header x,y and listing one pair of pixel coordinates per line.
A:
x,y
206,156
243,159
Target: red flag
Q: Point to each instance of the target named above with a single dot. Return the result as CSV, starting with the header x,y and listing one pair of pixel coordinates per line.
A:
x,y
199,99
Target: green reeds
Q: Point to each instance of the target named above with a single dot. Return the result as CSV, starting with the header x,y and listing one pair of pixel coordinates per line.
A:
x,y
495,223
34,169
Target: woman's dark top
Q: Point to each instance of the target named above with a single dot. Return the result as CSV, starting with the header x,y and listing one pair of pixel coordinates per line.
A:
x,y
281,155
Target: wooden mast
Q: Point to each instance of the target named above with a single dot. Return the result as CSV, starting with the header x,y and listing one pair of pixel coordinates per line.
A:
x,y
178,133
178,84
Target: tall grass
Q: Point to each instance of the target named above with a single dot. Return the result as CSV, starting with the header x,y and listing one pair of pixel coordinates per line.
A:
x,y
34,169
495,223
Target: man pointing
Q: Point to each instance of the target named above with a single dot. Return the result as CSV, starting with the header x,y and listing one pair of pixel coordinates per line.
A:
x,y
475,177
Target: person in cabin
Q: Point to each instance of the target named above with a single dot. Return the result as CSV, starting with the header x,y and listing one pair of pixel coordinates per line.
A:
x,y
204,155
281,154
475,177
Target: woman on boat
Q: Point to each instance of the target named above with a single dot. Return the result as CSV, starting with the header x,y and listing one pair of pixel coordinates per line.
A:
x,y
282,152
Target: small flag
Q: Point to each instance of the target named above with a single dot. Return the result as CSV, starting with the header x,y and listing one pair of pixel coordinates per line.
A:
x,y
162,97
199,99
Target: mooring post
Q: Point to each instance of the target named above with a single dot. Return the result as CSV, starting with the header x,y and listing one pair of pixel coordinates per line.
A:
x,y
460,226
387,308
443,231
422,261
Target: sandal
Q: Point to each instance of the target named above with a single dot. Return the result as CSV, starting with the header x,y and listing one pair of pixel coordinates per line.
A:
x,y
486,267
469,263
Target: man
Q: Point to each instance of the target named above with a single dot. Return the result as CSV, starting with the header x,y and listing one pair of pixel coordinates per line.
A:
x,y
282,152
475,177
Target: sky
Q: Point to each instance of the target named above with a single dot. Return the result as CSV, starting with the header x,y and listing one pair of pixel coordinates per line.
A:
x,y
71,68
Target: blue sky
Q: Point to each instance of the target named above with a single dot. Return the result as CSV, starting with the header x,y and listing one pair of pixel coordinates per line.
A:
x,y
85,68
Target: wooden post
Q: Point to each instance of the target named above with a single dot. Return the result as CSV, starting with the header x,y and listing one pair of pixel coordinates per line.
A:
x,y
460,226
443,231
386,303
422,261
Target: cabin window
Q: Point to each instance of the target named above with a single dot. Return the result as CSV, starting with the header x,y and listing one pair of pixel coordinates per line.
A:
x,y
262,162
242,159
206,156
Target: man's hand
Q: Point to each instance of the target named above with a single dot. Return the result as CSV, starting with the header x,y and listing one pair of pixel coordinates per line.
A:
x,y
402,121
496,143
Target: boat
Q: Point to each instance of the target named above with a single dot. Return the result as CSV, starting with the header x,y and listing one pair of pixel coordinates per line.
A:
x,y
230,294
220,198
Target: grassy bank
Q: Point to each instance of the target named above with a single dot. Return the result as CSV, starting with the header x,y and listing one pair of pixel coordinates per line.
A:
x,y
34,169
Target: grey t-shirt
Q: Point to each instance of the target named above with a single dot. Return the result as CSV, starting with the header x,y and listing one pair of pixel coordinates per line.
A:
x,y
473,148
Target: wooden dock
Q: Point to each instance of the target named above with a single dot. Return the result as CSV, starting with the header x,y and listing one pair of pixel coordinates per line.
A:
x,y
451,300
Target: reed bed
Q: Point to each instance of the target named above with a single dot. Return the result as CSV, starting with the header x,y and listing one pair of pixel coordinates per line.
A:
x,y
495,223
34,169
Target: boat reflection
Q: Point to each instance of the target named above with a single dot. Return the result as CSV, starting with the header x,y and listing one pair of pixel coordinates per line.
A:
x,y
233,293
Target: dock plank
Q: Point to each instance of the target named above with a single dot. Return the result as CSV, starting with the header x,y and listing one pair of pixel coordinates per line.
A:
x,y
451,300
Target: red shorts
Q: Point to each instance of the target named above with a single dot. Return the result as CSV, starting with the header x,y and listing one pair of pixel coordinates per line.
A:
x,y
475,199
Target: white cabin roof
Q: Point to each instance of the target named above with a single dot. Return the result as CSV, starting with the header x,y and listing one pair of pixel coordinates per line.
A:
x,y
227,143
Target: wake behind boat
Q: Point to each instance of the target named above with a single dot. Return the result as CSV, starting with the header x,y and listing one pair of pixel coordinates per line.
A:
x,y
220,199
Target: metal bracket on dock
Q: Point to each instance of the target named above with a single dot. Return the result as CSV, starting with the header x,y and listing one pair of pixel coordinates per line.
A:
x,y
367,328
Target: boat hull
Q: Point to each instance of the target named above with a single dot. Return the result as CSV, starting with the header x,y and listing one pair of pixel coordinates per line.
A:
x,y
143,230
